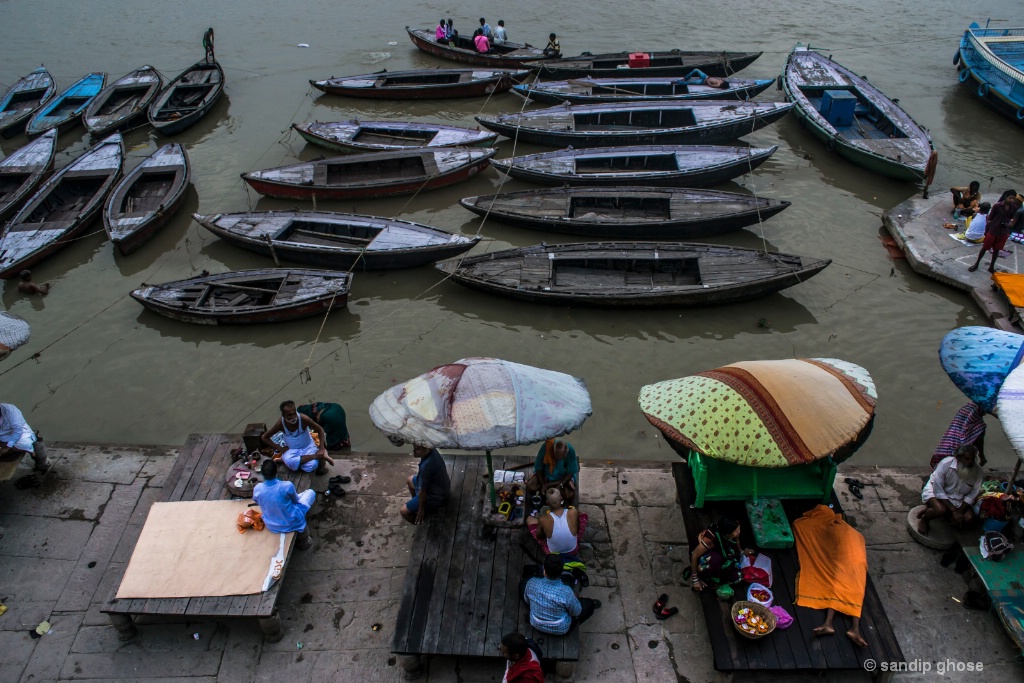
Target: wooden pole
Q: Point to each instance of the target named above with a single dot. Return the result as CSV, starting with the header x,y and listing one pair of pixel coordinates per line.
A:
x,y
490,482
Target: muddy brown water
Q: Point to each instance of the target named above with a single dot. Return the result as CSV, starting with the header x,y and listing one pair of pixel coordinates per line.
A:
x,y
111,372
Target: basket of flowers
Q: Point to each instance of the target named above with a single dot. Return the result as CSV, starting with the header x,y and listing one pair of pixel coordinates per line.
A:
x,y
752,620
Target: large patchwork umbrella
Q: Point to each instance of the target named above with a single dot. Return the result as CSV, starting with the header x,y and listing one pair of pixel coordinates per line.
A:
x,y
482,404
767,413
978,360
14,331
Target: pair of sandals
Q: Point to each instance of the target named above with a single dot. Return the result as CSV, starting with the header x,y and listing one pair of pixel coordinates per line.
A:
x,y
334,485
661,612
855,485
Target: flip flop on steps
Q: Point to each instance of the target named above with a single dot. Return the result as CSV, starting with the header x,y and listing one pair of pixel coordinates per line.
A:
x,y
666,613
660,603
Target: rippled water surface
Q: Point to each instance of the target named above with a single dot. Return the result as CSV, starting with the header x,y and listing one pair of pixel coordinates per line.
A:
x,y
111,372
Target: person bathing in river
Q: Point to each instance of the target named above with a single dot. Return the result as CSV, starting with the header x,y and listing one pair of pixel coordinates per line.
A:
x,y
26,286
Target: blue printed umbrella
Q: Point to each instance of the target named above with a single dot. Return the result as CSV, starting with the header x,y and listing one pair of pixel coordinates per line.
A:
x,y
979,359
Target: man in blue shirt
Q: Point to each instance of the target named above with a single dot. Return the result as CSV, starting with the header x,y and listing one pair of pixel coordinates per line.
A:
x,y
429,487
282,508
486,28
554,608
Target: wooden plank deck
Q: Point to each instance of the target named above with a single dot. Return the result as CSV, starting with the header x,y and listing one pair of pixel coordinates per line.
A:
x,y
461,591
795,648
198,474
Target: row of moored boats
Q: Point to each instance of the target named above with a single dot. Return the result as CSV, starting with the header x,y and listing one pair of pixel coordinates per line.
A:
x,y
630,169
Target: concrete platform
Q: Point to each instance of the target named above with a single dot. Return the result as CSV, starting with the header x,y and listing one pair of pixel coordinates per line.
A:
x,y
916,225
63,537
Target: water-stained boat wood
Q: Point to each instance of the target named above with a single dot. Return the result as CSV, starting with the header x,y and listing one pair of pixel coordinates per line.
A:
x,y
379,174
622,64
659,165
422,84
375,136
598,90
248,296
23,99
464,50
123,102
337,240
188,98
23,171
62,208
637,123
147,198
854,119
631,274
64,111
627,212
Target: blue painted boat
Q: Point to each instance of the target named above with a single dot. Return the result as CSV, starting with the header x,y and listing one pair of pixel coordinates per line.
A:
x,y
991,63
65,111
23,99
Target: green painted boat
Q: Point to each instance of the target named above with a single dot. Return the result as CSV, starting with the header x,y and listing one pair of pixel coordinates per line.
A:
x,y
855,119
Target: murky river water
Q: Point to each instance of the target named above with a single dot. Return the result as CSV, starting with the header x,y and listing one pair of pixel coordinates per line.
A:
x,y
111,372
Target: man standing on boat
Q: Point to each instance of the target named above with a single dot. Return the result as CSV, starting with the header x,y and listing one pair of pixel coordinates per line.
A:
x,y
208,45
301,452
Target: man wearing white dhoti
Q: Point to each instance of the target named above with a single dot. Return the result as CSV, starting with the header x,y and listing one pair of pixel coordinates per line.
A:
x,y
301,451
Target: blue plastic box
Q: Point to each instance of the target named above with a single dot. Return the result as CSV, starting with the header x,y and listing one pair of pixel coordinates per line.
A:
x,y
837,107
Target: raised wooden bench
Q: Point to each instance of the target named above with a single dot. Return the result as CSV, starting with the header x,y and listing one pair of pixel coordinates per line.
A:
x,y
720,480
795,648
198,474
461,590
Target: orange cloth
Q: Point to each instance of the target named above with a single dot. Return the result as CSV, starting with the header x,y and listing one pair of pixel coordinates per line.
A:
x,y
1012,285
549,455
833,562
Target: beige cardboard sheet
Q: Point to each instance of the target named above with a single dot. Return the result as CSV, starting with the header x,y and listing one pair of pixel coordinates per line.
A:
x,y
193,549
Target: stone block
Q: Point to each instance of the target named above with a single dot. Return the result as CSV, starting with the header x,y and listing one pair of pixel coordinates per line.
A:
x,y
46,661
692,659
323,626
148,496
15,650
356,548
126,544
647,487
605,657
294,665
598,485
157,467
652,654
382,477
61,498
113,465
43,537
29,579
121,665
23,614
662,524
153,637
609,618
342,585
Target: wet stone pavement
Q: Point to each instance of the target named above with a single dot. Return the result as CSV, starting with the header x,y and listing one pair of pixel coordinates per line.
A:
x,y
65,543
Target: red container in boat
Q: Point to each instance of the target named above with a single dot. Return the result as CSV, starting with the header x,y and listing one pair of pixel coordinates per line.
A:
x,y
639,60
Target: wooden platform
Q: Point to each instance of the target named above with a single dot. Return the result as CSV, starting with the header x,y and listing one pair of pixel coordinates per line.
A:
x,y
795,648
461,591
198,474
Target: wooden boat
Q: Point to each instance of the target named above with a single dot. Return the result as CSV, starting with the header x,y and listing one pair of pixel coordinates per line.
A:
x,y
123,102
422,84
374,136
637,123
65,110
187,98
23,99
337,240
22,172
631,274
380,174
62,208
627,212
991,63
854,119
598,90
248,296
147,198
464,50
650,64
661,165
